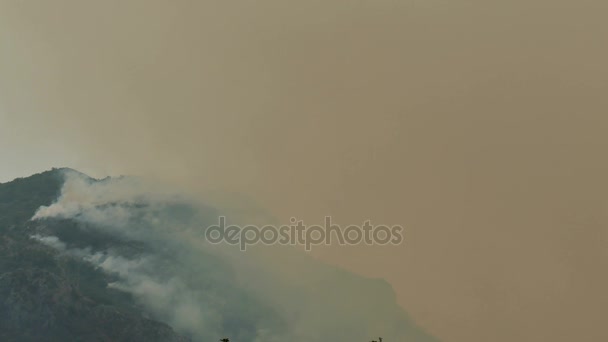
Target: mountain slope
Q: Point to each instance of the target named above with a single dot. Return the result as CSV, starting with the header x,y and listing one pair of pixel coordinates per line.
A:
x,y
45,296
125,260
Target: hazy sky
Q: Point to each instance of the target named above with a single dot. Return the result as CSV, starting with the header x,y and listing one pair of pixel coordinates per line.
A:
x,y
480,126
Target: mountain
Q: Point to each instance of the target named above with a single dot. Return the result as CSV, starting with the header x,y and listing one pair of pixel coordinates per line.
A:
x,y
122,259
45,296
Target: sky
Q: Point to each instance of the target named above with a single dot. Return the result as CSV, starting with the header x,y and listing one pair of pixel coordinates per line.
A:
x,y
479,126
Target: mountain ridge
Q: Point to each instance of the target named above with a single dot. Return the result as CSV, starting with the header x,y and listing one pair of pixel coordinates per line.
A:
x,y
94,266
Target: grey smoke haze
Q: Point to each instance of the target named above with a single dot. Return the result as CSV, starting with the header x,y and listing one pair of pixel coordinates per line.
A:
x,y
480,126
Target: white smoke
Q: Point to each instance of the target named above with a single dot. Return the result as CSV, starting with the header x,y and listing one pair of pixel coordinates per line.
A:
x,y
51,241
